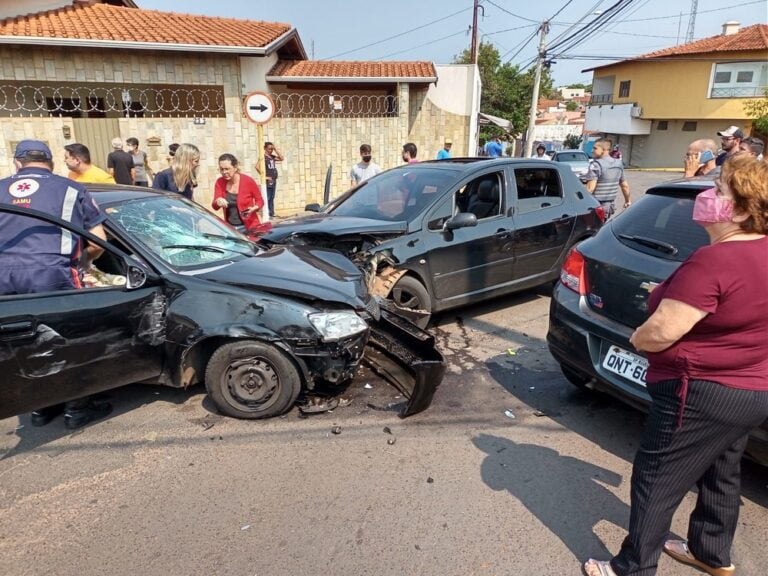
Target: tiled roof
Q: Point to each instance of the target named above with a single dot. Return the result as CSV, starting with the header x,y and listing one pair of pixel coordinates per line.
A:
x,y
750,38
103,22
338,69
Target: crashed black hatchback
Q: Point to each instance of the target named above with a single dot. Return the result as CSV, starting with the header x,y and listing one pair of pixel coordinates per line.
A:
x,y
437,235
180,298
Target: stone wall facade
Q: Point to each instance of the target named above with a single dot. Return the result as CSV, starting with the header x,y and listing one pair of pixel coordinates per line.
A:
x,y
309,144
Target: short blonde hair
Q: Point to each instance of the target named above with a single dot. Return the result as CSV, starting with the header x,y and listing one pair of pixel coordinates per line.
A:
x,y
747,179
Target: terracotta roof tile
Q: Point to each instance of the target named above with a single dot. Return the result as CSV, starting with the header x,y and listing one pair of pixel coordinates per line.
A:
x,y
753,37
115,23
340,69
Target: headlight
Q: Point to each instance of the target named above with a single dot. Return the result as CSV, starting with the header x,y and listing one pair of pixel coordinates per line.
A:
x,y
336,325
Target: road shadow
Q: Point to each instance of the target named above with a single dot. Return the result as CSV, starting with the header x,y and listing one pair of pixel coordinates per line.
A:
x,y
123,400
539,477
601,419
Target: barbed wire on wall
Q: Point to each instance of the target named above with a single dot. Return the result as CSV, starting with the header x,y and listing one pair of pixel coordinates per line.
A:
x,y
295,105
46,100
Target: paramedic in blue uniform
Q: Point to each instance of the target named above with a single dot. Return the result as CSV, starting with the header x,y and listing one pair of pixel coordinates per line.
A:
x,y
36,256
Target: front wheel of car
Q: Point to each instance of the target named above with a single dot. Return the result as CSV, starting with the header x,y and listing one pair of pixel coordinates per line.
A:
x,y
250,379
576,378
410,293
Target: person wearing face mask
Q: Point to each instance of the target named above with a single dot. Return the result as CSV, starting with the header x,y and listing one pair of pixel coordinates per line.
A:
x,y
365,168
707,349
238,195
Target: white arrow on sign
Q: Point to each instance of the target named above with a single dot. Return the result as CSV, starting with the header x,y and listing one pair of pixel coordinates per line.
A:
x,y
259,107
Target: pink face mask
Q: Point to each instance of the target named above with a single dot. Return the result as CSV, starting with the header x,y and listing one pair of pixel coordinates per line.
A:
x,y
709,208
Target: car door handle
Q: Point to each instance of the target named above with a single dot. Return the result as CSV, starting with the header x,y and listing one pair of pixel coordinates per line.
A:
x,y
503,234
564,218
19,329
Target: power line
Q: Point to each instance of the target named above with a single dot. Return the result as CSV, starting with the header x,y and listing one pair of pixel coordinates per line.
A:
x,y
730,7
521,46
512,13
397,35
463,31
591,28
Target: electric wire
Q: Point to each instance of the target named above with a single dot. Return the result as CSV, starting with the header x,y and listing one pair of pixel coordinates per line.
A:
x,y
397,35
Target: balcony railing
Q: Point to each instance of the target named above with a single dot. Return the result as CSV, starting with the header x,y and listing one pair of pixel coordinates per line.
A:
x,y
738,92
601,99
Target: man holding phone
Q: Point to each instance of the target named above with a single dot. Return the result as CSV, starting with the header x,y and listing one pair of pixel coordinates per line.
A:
x,y
700,160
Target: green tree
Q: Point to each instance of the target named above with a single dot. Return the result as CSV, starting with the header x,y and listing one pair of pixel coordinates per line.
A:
x,y
572,106
587,87
506,91
758,109
572,142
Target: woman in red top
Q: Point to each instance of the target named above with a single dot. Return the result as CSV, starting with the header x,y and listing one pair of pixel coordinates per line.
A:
x,y
238,195
707,347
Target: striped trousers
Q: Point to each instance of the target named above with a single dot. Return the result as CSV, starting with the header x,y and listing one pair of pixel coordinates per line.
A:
x,y
706,452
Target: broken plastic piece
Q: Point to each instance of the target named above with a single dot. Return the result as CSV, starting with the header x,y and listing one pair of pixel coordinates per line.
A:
x,y
336,430
511,352
430,480
539,413
387,430
509,414
391,441
245,527
317,404
367,386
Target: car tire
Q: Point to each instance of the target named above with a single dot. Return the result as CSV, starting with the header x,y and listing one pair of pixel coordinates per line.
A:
x,y
410,293
252,380
576,378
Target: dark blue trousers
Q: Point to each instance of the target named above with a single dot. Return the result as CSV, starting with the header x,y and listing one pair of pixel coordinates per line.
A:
x,y
706,452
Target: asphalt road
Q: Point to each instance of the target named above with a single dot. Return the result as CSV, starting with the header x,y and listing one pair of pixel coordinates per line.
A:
x,y
511,471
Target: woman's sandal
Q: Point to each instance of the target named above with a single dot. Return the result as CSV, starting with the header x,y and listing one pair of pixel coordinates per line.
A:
x,y
603,568
678,549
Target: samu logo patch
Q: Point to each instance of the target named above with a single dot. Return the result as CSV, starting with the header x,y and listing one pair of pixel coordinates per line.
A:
x,y
23,188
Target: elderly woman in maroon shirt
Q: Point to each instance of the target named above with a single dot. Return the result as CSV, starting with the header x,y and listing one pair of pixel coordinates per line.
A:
x,y
707,346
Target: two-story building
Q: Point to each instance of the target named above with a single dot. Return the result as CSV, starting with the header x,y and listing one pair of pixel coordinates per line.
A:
x,y
654,105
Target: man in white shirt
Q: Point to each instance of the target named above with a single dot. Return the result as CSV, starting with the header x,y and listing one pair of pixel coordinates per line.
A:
x,y
363,169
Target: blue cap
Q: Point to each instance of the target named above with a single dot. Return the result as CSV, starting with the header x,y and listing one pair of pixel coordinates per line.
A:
x,y
33,149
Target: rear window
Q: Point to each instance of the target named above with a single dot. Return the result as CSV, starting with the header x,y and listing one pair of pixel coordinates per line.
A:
x,y
665,217
571,157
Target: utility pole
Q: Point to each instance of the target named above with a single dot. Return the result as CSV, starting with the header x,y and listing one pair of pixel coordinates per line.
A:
x,y
473,48
543,29
692,21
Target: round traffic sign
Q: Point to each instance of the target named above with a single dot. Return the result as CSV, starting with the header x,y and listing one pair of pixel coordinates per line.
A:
x,y
259,107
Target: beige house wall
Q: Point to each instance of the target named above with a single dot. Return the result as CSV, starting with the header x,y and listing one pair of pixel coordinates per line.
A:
x,y
308,144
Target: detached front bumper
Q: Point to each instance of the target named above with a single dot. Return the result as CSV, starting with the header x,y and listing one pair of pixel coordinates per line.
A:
x,y
406,357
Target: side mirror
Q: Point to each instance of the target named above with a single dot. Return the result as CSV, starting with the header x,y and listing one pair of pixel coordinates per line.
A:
x,y
314,207
136,277
461,220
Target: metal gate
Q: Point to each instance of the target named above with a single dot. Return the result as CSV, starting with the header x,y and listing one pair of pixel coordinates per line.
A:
x,y
96,134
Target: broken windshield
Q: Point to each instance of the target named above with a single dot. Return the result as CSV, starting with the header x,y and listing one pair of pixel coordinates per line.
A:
x,y
180,233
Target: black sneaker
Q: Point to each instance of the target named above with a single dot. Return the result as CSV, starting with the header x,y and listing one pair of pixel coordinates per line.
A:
x,y
45,415
77,418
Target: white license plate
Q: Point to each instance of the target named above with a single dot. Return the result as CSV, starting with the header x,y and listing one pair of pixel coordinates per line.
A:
x,y
626,364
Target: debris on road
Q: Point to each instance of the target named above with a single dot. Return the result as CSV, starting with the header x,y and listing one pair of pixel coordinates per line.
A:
x,y
539,413
336,430
430,480
387,430
368,386
245,527
391,441
207,425
511,352
150,436
319,404
509,414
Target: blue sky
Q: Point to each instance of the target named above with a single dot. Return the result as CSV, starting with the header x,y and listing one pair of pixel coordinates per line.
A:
x,y
355,30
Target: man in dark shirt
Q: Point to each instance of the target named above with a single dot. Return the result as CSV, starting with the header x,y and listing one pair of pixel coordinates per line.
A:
x,y
120,164
271,157
730,138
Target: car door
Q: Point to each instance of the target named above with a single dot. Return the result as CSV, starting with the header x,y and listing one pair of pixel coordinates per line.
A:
x,y
544,219
469,261
62,345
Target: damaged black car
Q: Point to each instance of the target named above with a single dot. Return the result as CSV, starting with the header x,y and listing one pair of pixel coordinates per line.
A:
x,y
437,235
180,298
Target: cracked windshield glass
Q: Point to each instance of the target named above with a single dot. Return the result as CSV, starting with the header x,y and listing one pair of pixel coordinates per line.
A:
x,y
181,233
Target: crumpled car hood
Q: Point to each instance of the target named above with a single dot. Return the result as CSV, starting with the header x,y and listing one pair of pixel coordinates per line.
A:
x,y
300,271
330,225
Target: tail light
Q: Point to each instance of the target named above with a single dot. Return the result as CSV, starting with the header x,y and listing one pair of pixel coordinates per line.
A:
x,y
573,274
600,211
